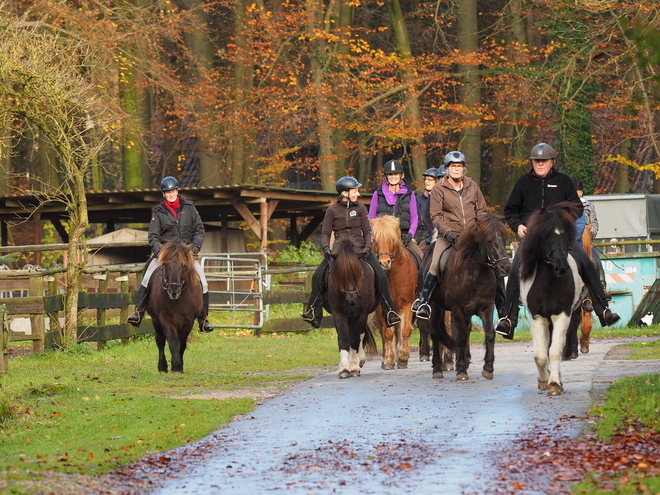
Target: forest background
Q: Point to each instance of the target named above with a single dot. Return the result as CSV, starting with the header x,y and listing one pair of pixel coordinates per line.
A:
x,y
300,93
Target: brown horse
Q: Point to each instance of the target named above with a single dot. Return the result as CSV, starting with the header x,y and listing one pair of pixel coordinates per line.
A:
x,y
580,318
175,301
401,271
350,298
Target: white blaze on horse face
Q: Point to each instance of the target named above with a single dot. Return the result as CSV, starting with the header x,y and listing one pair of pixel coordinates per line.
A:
x,y
558,231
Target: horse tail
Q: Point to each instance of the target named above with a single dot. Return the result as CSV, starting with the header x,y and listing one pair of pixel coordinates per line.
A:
x,y
346,271
369,340
439,331
587,240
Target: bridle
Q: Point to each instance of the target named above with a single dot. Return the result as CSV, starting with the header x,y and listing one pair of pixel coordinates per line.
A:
x,y
166,284
549,254
491,261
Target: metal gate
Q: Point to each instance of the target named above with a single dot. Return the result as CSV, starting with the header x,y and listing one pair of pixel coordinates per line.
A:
x,y
236,285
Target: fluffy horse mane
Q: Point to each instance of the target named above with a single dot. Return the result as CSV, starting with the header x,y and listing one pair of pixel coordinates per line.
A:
x,y
487,226
177,252
387,234
346,270
560,217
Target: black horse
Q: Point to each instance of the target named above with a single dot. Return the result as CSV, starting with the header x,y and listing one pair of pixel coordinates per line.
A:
x,y
468,287
550,287
350,298
175,301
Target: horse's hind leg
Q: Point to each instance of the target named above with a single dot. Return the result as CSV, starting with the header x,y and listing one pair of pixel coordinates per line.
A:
x,y
160,342
424,340
489,359
461,326
541,343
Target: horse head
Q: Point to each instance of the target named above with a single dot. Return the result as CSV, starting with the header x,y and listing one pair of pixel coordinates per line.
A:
x,y
177,261
387,240
549,234
487,237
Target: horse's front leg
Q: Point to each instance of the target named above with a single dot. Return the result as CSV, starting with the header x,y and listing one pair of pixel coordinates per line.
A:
x,y
344,348
489,359
560,324
585,331
175,351
539,329
403,333
387,338
437,320
460,323
160,342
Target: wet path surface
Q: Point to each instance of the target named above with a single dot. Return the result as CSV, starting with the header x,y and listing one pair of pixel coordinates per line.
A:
x,y
398,431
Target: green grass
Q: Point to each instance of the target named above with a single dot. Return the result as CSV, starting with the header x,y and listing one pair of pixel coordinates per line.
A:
x,y
88,411
645,350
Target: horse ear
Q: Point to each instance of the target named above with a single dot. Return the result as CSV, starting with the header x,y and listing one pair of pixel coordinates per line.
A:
x,y
543,211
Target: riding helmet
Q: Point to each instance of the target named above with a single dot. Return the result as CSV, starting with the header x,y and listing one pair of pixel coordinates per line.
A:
x,y
346,183
542,151
169,183
431,172
454,157
578,184
442,171
393,167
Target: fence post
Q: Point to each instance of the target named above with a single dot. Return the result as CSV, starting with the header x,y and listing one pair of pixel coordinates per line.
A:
x,y
53,290
123,312
37,322
4,340
101,313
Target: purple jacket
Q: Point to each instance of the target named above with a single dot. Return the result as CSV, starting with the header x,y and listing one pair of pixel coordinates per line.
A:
x,y
392,199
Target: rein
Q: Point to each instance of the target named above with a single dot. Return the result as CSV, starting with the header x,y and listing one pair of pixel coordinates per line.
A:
x,y
166,284
391,255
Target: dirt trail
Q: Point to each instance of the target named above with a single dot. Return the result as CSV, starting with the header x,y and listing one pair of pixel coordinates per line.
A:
x,y
394,431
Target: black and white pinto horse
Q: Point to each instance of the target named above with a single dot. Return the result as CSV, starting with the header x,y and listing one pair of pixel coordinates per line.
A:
x,y
550,287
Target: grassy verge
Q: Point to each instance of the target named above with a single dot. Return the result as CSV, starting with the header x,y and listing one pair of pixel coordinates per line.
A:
x,y
87,411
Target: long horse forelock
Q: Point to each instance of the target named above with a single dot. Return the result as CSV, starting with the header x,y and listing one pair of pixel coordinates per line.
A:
x,y
387,233
176,252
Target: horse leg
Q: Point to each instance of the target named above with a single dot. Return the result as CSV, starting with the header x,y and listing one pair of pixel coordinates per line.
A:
x,y
354,354
448,356
404,331
560,324
489,358
387,337
585,332
160,342
539,329
424,340
436,359
460,324
570,348
175,351
344,348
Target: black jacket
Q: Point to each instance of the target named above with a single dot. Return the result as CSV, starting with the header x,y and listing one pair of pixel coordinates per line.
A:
x,y
532,193
164,227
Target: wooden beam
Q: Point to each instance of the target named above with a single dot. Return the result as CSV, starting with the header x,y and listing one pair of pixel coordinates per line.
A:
x,y
289,196
272,205
247,215
59,228
310,228
263,221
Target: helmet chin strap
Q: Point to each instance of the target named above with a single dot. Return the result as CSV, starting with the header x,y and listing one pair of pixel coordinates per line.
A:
x,y
457,180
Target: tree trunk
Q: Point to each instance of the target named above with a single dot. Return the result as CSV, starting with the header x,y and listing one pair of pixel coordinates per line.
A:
x,y
470,91
413,119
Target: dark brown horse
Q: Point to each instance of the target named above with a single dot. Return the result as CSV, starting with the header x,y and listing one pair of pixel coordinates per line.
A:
x,y
350,298
175,301
401,271
468,287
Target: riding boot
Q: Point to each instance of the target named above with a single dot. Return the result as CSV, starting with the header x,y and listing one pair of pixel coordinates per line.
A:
x,y
506,325
314,312
605,315
389,310
140,307
203,320
421,306
587,305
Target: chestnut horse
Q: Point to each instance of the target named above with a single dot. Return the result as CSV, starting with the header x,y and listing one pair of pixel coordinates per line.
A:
x,y
401,271
174,301
350,298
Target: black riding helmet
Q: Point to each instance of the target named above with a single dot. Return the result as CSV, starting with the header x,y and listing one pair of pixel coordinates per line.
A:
x,y
346,183
169,183
431,172
393,167
578,184
442,171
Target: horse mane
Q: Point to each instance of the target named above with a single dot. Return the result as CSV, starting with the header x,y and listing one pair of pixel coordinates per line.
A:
x,y
559,217
177,252
346,271
487,226
387,234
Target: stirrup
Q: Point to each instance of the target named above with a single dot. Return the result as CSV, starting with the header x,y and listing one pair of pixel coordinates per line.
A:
x,y
587,305
135,319
309,314
424,311
206,326
417,303
508,332
392,318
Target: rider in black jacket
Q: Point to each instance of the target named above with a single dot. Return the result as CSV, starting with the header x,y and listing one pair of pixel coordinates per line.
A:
x,y
542,187
173,218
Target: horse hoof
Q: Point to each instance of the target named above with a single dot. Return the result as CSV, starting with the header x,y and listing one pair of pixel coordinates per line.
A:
x,y
447,367
387,367
424,359
554,390
574,355
461,377
543,385
438,374
355,373
402,365
344,374
584,349
487,374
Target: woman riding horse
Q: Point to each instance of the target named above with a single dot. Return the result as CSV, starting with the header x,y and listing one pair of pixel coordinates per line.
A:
x,y
173,218
348,217
456,201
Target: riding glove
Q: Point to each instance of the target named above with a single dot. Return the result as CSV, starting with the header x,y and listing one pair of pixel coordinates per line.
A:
x,y
406,238
327,252
451,237
195,250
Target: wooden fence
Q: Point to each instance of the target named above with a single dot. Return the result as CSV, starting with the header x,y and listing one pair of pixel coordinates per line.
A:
x,y
111,291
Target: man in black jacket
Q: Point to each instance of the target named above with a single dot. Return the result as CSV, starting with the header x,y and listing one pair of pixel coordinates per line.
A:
x,y
542,187
173,218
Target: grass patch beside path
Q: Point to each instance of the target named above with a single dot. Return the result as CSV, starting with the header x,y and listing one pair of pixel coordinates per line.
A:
x,y
87,411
